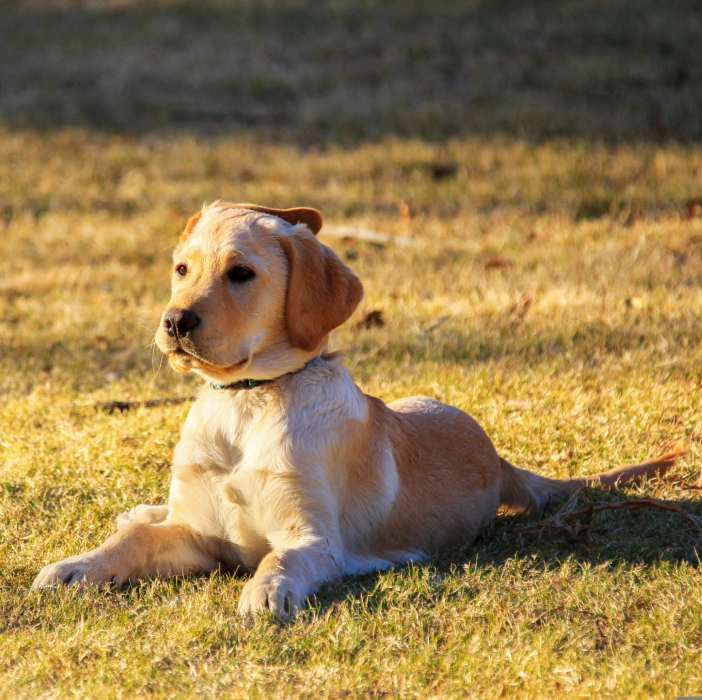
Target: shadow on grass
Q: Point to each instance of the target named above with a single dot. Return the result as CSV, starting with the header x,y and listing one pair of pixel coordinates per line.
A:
x,y
617,540
635,540
82,356
587,342
340,72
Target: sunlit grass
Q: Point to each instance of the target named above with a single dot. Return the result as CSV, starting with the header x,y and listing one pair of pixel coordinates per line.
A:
x,y
585,379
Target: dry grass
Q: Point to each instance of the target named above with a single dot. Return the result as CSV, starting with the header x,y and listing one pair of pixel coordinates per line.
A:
x,y
579,382
602,367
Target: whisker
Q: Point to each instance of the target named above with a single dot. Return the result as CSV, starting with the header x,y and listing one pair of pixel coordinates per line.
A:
x,y
163,251
154,349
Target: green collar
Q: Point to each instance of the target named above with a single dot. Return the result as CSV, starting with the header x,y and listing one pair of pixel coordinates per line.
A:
x,y
251,383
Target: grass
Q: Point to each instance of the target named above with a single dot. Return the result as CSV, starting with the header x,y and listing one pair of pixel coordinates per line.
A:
x,y
348,71
579,383
581,204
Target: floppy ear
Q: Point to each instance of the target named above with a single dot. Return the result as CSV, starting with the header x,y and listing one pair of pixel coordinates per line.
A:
x,y
322,291
190,225
298,215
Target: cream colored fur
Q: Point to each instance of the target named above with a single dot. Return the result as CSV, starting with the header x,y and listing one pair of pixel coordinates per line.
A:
x,y
304,479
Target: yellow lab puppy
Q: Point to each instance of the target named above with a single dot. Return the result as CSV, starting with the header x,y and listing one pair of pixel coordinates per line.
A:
x,y
285,468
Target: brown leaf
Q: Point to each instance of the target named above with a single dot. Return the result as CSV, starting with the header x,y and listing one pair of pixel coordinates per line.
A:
x,y
496,261
693,208
404,210
682,257
247,175
635,215
373,319
443,170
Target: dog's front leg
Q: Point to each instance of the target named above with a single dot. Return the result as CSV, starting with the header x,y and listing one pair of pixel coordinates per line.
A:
x,y
290,573
136,551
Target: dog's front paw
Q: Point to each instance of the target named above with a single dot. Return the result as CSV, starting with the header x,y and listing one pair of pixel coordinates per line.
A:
x,y
277,593
81,570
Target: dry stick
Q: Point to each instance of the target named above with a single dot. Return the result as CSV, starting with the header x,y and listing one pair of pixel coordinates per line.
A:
x,y
436,325
685,485
565,517
123,406
432,328
365,234
639,503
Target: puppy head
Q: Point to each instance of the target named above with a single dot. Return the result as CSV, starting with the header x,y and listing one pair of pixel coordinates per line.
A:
x,y
254,293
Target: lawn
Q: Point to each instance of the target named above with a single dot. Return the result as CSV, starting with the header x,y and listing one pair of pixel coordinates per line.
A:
x,y
543,273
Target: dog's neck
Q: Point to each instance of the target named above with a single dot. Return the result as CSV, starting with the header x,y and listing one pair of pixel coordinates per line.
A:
x,y
243,384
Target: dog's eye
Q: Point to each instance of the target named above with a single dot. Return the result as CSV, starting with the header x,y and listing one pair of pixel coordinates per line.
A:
x,y
240,274
182,270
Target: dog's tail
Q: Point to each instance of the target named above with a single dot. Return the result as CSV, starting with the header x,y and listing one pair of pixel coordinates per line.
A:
x,y
526,492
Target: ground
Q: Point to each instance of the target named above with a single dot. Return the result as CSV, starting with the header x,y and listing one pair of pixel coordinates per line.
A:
x,y
544,275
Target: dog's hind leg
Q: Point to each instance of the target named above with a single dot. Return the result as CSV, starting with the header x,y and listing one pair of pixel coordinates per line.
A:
x,y
151,515
136,551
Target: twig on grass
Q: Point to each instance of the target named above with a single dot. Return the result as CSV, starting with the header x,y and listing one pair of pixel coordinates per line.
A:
x,y
124,406
436,325
569,520
440,322
685,485
365,234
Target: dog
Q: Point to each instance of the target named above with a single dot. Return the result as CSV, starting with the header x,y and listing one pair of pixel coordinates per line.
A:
x,y
285,469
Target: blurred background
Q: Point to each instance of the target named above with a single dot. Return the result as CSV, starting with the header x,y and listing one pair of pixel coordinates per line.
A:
x,y
527,150
341,71
541,158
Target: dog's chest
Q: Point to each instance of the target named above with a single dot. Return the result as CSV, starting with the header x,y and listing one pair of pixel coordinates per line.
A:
x,y
246,465
222,473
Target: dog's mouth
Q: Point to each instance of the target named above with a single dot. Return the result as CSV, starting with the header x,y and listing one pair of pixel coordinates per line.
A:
x,y
185,356
186,359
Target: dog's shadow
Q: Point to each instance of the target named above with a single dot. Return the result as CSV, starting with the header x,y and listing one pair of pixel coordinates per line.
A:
x,y
615,539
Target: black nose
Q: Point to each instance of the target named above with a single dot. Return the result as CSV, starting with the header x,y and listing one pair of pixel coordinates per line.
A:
x,y
180,321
